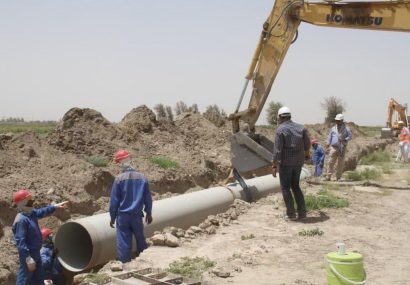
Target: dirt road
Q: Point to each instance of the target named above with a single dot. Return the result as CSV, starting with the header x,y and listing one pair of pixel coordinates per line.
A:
x,y
376,224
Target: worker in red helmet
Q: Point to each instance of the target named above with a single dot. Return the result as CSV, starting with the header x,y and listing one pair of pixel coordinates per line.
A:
x,y
318,158
51,266
28,237
130,197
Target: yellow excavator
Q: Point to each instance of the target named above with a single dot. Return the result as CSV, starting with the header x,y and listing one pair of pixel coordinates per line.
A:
x,y
392,126
251,151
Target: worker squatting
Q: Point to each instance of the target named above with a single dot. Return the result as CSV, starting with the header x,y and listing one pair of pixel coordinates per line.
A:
x,y
354,20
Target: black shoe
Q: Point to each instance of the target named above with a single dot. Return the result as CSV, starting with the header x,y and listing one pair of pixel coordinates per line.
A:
x,y
302,216
290,218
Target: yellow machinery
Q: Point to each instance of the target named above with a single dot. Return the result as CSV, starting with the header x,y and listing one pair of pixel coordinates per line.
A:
x,y
392,126
251,151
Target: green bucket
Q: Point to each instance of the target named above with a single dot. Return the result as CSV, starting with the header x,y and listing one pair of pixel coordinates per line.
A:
x,y
346,269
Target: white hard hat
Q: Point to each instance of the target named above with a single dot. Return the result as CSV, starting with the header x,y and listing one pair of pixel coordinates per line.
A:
x,y
284,111
400,122
339,117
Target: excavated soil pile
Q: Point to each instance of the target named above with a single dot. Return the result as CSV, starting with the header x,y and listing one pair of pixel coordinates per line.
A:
x,y
54,169
86,132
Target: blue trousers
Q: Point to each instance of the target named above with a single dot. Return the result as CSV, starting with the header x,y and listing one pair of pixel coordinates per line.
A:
x,y
318,169
289,177
25,277
128,226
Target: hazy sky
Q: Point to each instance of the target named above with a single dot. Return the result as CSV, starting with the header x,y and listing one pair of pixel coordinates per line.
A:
x,y
115,55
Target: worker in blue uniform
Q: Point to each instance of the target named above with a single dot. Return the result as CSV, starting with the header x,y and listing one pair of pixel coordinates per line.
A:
x,y
130,196
27,236
51,266
318,157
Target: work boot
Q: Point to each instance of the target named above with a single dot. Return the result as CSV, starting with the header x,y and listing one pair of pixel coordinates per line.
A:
x,y
302,216
289,218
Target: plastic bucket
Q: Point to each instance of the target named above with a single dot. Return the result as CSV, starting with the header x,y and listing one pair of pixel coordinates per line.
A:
x,y
345,269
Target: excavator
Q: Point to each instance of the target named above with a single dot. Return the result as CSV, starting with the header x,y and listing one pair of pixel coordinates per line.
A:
x,y
392,127
251,151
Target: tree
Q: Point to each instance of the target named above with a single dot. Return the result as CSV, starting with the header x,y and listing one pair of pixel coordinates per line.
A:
x,y
194,108
180,108
333,106
215,115
272,112
170,115
160,110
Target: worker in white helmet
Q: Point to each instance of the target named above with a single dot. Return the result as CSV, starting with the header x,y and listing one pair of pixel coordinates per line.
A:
x,y
337,140
291,149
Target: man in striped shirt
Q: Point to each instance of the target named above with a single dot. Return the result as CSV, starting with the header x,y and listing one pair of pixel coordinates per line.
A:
x,y
291,148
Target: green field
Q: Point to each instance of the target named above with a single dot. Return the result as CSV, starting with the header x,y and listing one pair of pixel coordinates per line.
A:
x,y
37,128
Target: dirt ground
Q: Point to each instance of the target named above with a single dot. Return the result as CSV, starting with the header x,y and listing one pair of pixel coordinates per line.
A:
x,y
54,168
375,224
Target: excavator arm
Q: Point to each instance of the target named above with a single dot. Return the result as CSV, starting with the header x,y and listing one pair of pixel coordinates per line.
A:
x,y
250,151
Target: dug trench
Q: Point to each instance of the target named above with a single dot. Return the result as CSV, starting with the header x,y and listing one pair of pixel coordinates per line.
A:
x,y
57,167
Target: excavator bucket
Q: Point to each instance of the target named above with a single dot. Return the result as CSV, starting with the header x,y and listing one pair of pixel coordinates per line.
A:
x,y
250,152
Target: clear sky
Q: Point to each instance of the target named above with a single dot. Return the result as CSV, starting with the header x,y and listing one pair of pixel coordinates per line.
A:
x,y
113,55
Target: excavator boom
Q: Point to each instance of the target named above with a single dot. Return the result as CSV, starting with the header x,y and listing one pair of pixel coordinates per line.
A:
x,y
250,151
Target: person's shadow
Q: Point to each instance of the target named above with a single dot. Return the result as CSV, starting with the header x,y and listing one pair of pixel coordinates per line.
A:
x,y
312,220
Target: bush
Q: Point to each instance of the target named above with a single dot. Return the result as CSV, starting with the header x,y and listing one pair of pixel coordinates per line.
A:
x,y
191,267
246,237
98,278
311,233
366,174
97,160
375,157
324,199
164,162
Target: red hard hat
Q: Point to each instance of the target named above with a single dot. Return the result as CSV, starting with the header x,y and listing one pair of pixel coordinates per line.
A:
x,y
20,195
313,141
120,155
45,232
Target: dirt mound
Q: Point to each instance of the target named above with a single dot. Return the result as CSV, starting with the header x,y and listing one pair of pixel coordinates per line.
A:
x,y
86,131
140,119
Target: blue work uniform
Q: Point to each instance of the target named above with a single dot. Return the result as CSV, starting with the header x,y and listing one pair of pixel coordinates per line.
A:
x,y
130,196
318,159
28,241
51,266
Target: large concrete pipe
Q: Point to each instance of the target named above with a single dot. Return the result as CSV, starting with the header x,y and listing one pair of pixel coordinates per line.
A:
x,y
87,242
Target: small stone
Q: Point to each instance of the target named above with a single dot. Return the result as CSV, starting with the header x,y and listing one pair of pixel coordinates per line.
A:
x,y
234,216
221,272
50,191
171,240
180,233
195,229
158,239
211,230
116,266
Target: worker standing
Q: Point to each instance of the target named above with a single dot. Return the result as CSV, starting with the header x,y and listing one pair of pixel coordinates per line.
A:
x,y
291,148
51,266
404,143
28,237
337,140
318,157
130,196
